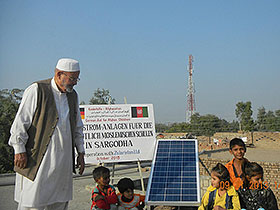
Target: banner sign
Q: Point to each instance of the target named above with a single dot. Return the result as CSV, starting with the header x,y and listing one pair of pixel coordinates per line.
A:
x,y
118,133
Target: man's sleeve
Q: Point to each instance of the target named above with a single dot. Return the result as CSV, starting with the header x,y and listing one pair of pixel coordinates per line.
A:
x,y
23,119
79,136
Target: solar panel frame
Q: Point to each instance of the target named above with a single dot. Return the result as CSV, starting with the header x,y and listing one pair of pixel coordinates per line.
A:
x,y
162,184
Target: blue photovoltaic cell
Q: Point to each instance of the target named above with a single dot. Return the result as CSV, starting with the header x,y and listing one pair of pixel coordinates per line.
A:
x,y
174,175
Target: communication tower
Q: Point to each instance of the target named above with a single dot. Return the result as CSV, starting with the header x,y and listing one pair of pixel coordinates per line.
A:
x,y
190,96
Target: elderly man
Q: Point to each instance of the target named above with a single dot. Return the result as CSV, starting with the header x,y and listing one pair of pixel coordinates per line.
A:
x,y
45,132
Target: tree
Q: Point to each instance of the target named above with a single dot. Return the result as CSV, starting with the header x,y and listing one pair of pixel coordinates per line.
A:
x,y
270,121
195,124
232,126
9,102
244,114
161,127
82,103
179,128
261,118
102,96
277,120
206,125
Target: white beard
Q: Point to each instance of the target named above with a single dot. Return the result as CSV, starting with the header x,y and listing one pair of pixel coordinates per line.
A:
x,y
69,89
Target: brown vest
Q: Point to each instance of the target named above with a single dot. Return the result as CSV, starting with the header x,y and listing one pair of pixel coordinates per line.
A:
x,y
42,127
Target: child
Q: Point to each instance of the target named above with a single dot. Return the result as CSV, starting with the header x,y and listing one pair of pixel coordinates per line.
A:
x,y
237,148
220,194
255,193
103,195
127,198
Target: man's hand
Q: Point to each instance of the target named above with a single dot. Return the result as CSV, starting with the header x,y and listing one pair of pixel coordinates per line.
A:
x,y
81,163
20,160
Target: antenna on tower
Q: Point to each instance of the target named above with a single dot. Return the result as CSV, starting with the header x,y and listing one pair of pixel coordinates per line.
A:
x,y
190,95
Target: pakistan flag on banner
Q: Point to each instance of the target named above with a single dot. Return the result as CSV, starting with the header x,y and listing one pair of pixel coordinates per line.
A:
x,y
139,112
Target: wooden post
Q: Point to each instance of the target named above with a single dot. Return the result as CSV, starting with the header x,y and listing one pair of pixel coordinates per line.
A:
x,y
113,173
141,177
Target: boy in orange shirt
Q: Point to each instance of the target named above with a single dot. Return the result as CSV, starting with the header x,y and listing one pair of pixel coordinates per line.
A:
x,y
128,200
238,149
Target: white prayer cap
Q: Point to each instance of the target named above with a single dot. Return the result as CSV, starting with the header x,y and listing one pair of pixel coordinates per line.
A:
x,y
68,64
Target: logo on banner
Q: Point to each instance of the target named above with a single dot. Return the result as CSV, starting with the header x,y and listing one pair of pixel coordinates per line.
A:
x,y
82,111
138,112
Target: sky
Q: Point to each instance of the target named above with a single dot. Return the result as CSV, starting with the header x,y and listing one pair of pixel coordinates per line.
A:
x,y
139,50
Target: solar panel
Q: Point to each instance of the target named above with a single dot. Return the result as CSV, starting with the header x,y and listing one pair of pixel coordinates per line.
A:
x,y
174,178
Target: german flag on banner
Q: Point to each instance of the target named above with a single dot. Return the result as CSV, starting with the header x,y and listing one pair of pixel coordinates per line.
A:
x,y
82,111
138,112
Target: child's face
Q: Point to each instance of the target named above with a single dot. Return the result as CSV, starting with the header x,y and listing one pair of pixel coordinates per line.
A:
x,y
256,178
103,180
215,181
128,194
238,152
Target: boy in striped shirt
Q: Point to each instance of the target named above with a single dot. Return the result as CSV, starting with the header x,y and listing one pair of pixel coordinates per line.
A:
x,y
103,195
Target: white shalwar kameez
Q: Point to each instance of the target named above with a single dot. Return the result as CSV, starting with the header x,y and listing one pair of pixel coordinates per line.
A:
x,y
53,182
